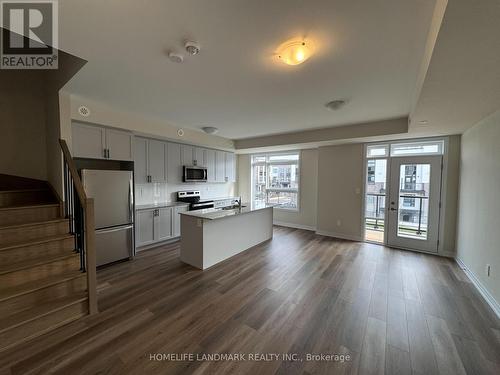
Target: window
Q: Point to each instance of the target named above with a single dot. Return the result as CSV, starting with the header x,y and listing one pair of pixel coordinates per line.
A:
x,y
275,179
417,148
435,147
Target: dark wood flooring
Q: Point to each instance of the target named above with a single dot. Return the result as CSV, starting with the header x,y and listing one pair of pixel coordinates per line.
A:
x,y
389,311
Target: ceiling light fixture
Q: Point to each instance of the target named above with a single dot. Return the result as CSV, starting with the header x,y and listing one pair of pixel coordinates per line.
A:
x,y
335,105
423,122
295,52
210,130
175,57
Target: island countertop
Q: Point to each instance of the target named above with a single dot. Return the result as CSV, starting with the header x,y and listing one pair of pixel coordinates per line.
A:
x,y
214,214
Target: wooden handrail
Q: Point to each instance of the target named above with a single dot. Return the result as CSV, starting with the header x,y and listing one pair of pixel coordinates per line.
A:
x,y
89,229
74,172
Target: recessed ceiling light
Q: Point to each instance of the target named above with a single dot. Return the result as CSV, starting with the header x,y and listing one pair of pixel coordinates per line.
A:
x,y
210,129
335,105
295,52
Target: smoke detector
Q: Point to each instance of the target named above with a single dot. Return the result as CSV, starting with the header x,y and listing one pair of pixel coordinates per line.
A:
x,y
335,104
175,57
84,111
210,129
192,48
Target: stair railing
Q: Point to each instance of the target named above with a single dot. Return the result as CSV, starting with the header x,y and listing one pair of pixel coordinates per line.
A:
x,y
80,211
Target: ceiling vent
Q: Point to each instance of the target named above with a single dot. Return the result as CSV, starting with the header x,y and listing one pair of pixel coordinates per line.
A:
x,y
84,111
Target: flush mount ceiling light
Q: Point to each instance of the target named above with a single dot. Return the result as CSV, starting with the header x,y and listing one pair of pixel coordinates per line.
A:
x,y
175,57
335,105
295,52
210,129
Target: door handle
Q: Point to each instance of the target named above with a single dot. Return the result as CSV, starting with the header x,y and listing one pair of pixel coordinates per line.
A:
x,y
393,209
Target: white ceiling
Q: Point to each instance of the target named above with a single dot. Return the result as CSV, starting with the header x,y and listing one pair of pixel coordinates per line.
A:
x,y
370,55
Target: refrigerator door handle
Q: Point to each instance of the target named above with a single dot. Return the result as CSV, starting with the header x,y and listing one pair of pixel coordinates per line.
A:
x,y
131,202
115,229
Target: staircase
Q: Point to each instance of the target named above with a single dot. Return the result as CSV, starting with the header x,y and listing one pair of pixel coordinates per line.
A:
x,y
41,284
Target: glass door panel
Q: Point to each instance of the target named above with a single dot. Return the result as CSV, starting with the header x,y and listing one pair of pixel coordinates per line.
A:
x,y
375,197
414,202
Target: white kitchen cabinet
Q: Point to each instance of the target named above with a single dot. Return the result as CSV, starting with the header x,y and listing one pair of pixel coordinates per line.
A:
x,y
174,163
220,166
163,224
230,167
144,227
176,227
149,160
156,161
88,141
187,153
119,145
96,142
210,164
199,157
140,160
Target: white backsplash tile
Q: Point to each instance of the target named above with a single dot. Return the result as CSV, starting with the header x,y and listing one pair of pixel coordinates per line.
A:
x,y
163,192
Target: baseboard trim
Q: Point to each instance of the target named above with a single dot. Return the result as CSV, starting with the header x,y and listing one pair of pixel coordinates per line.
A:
x,y
339,235
292,225
490,300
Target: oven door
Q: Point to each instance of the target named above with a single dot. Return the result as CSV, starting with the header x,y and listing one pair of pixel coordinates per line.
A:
x,y
195,174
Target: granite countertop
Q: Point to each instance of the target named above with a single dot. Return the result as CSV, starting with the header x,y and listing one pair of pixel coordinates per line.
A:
x,y
159,205
214,214
223,198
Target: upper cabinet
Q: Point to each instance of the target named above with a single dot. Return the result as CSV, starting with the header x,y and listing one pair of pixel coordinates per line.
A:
x,y
192,155
220,166
149,160
230,167
101,143
199,157
210,164
174,163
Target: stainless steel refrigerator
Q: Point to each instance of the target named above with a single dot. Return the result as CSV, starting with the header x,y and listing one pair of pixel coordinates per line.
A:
x,y
114,219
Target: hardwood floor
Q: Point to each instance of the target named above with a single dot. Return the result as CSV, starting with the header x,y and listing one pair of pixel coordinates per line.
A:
x,y
390,311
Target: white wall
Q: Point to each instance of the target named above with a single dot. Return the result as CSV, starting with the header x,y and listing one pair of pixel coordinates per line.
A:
x,y
339,191
23,149
103,114
308,190
478,235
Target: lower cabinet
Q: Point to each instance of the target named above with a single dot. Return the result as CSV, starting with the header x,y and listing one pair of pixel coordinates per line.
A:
x,y
157,224
177,219
144,227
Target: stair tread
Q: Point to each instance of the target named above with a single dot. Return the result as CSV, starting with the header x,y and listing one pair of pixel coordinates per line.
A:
x,y
32,223
24,190
40,240
38,284
28,206
34,262
39,310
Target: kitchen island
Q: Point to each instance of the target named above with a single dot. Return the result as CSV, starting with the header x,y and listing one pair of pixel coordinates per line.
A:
x,y
211,236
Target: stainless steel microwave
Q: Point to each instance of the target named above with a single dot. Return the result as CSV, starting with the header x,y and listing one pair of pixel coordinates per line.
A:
x,y
194,174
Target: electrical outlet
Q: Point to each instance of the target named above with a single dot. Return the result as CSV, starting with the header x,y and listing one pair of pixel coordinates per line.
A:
x,y
488,270
339,223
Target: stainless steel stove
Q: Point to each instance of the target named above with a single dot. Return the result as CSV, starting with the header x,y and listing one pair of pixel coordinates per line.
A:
x,y
193,197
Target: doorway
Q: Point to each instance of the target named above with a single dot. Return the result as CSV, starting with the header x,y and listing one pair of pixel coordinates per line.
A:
x,y
414,203
403,194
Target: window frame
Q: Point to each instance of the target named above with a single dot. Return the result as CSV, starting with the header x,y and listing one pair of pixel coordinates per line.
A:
x,y
267,164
